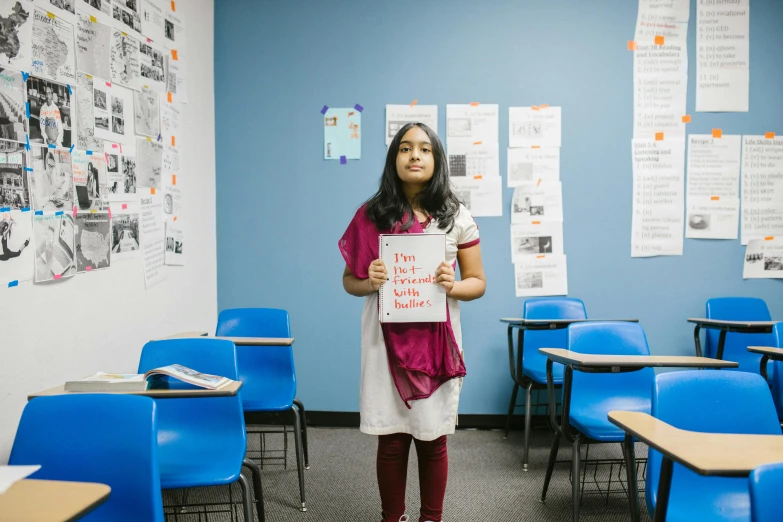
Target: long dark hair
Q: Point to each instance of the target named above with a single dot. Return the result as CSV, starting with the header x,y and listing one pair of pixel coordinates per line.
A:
x,y
388,206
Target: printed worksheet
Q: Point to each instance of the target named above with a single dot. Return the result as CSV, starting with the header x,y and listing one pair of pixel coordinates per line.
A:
x,y
764,259
471,123
536,237
762,187
542,202
534,126
474,160
482,197
398,116
533,165
541,275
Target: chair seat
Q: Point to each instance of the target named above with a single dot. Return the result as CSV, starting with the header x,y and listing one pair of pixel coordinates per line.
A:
x,y
192,470
538,375
707,499
594,422
268,394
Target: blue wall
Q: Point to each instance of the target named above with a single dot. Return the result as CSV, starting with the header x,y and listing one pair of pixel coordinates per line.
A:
x,y
282,208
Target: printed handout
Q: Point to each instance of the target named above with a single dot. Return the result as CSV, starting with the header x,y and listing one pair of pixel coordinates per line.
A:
x,y
152,239
398,116
152,20
65,9
663,11
113,113
152,66
14,183
50,112
170,161
174,243
51,181
537,202
534,126
176,76
85,115
534,238
16,33
541,275
474,160
147,111
342,134
53,55
16,237
120,171
13,124
100,9
169,122
764,259
762,187
124,65
482,197
529,165
93,241
53,234
93,47
172,199
471,123
125,236
149,161
89,180
174,31
712,218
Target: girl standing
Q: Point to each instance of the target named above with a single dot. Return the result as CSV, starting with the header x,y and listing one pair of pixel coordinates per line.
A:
x,y
398,403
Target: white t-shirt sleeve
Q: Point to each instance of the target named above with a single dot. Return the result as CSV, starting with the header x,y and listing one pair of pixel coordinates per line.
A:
x,y
467,230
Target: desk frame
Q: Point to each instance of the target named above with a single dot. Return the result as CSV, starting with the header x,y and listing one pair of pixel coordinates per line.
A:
x,y
767,353
725,327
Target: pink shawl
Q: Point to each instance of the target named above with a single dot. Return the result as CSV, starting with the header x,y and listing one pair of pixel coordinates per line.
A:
x,y
422,356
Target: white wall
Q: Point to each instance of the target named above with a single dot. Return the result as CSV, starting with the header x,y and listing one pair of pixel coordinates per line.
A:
x,y
99,321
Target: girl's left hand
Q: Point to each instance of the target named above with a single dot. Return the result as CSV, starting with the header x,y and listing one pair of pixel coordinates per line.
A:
x,y
445,275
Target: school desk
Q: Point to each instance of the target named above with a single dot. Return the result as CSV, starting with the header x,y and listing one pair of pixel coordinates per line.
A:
x,y
725,327
33,500
239,341
709,454
173,390
767,352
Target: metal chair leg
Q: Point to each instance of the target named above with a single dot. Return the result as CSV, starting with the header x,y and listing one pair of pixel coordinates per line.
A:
x,y
255,472
247,499
303,417
511,405
575,479
630,476
528,418
299,451
551,465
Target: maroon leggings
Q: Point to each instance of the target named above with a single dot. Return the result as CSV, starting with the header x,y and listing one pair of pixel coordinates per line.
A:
x,y
393,470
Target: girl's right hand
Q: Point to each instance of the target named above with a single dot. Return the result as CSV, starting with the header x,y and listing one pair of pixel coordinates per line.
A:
x,y
377,274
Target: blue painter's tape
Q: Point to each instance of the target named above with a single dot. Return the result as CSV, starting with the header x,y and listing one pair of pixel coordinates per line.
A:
x,y
5,209
25,76
343,160
71,149
13,283
39,212
25,209
70,92
28,169
358,107
52,146
89,153
27,141
326,108
59,213
27,105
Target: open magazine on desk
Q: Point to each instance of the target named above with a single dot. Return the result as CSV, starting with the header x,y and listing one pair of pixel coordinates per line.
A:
x,y
156,378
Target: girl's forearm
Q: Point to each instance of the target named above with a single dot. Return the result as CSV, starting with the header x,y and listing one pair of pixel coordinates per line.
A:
x,y
468,289
355,286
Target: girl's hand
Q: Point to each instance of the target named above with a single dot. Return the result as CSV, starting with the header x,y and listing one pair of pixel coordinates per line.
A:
x,y
445,276
377,274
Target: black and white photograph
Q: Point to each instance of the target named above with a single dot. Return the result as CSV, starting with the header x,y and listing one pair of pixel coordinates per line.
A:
x,y
16,256
754,257
51,182
533,245
459,127
64,5
464,197
99,6
117,107
14,182
128,167
169,244
16,33
541,275
100,100
537,202
169,30
125,235
127,13
527,280
93,238
117,125
54,246
774,263
13,120
152,66
699,222
174,239
458,165
113,113
89,180
50,112
53,48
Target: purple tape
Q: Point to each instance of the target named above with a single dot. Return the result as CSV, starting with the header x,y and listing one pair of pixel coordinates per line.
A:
x,y
326,108
343,160
358,107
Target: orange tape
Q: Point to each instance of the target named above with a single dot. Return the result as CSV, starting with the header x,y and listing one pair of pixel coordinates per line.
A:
x,y
769,238
474,104
631,45
173,179
535,146
717,133
770,135
476,143
175,218
659,40
173,6
414,102
540,257
152,191
715,198
173,141
168,97
658,136
174,54
478,177
536,222
539,182
535,107
686,118
544,106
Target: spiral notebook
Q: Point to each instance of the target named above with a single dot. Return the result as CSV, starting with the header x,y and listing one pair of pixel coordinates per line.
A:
x,y
411,293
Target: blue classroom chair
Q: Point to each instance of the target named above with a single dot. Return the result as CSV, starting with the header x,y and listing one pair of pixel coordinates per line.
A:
x,y
766,483
110,439
594,395
736,346
268,372
201,441
533,369
714,402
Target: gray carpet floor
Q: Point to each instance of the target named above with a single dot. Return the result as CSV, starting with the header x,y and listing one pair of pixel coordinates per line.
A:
x,y
486,481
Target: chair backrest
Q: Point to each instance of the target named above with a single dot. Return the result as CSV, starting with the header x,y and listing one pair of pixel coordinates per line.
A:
x,y
261,367
110,439
766,483
775,371
711,401
547,308
213,424
609,338
736,347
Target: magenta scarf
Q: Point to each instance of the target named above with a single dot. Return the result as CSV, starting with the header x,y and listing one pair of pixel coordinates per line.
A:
x,y
422,356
